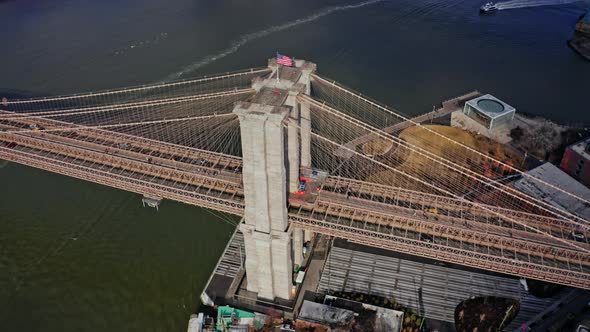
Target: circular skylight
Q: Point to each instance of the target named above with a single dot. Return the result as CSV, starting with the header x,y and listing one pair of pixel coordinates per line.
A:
x,y
490,106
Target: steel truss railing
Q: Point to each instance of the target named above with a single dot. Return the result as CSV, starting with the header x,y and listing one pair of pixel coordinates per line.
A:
x,y
467,231
83,151
108,178
452,235
118,143
457,207
384,237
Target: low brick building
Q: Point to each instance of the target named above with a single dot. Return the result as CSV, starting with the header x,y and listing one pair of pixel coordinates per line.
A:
x,y
576,161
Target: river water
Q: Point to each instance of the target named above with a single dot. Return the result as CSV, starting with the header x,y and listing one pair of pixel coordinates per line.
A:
x,y
81,257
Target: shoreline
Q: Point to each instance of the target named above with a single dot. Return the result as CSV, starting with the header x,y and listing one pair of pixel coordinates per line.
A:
x,y
584,53
530,116
580,42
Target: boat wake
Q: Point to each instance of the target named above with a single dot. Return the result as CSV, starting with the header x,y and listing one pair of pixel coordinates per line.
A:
x,y
142,43
531,3
244,39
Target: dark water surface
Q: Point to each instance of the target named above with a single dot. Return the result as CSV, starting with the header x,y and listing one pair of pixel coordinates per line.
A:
x,y
81,257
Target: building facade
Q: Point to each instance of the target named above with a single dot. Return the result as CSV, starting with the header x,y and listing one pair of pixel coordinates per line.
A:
x,y
576,161
489,111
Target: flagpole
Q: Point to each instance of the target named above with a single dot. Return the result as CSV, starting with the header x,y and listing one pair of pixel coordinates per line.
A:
x,y
278,67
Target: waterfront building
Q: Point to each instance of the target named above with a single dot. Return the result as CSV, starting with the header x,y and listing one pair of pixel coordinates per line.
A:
x,y
556,178
576,161
489,111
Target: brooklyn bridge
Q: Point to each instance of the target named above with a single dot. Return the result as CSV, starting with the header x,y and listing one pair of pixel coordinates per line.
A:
x,y
294,153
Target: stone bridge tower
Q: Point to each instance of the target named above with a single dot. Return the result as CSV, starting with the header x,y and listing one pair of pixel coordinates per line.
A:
x,y
272,157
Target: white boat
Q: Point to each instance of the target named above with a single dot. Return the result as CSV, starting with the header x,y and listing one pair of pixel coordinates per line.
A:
x,y
488,8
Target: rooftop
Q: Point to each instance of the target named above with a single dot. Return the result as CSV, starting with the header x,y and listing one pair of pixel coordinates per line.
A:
x,y
580,148
432,289
351,267
324,314
490,106
274,97
558,178
384,320
289,73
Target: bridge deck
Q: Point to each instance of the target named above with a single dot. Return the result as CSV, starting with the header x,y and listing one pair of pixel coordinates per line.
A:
x,y
459,211
128,163
458,232
350,224
347,208
438,227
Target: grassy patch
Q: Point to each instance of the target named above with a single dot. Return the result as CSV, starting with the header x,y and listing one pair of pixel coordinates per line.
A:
x,y
377,147
419,165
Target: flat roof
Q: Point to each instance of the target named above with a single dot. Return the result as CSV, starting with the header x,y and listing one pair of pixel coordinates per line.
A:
x,y
385,319
558,178
291,74
354,267
580,148
270,96
388,319
324,314
490,106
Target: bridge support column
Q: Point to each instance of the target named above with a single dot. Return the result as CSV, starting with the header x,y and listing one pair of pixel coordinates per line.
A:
x,y
251,262
294,159
282,266
265,228
297,246
307,235
305,116
293,153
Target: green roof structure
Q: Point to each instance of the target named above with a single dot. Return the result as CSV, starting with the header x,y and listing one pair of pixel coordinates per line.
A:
x,y
227,316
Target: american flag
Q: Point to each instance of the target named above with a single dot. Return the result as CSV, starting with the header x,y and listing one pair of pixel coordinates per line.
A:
x,y
284,60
